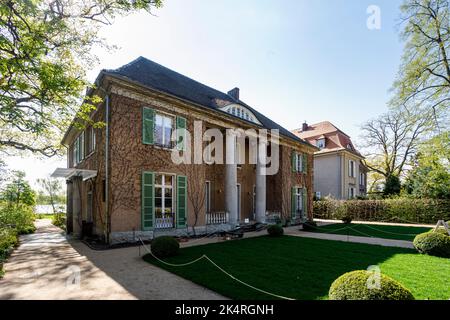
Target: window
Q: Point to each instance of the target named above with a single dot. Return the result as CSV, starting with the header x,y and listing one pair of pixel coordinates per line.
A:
x,y
298,162
351,193
208,196
361,179
163,195
90,132
318,195
351,169
163,130
78,149
240,112
298,201
320,143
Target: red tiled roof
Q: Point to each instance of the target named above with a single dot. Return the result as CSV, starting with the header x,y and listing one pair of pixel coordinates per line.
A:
x,y
335,138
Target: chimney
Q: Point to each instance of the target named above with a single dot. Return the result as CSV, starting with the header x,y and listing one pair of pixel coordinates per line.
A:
x,y
304,126
234,93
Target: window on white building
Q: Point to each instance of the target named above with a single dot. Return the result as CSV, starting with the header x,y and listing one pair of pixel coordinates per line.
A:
x,y
351,169
320,143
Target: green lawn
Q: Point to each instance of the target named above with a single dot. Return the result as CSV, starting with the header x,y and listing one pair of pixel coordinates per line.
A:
x,y
371,230
304,268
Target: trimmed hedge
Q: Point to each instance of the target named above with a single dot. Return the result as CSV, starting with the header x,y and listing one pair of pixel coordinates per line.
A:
x,y
386,210
275,230
353,286
433,243
165,246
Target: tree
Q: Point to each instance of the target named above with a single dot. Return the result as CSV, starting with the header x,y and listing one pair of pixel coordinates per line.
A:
x,y
391,141
18,191
423,81
430,175
52,189
45,49
392,186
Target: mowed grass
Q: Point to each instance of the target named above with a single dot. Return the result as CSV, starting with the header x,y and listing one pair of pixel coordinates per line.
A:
x,y
371,230
304,268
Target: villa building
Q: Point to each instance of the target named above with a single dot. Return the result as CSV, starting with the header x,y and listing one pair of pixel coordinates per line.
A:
x,y
122,181
338,168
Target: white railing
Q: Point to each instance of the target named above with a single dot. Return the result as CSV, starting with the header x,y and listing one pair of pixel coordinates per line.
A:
x,y
217,218
165,221
273,216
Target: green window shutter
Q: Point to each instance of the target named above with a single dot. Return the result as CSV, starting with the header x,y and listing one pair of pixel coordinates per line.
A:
x,y
181,201
181,143
293,214
305,204
305,163
148,200
293,161
148,125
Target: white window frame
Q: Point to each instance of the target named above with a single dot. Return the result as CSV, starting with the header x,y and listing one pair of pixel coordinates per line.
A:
x,y
164,116
298,162
351,169
298,201
320,143
351,192
163,188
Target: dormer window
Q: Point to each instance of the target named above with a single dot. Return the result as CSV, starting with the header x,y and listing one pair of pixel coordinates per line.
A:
x,y
320,143
240,112
349,147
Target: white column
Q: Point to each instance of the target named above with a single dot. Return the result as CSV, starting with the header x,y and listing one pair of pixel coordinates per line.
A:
x,y
261,182
231,198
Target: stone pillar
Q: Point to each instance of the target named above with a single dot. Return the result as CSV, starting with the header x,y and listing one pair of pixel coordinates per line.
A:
x,y
261,182
231,198
76,205
69,207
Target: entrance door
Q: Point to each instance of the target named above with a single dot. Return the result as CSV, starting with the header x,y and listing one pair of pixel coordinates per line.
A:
x,y
89,206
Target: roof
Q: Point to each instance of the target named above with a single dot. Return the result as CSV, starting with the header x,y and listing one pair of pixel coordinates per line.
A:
x,y
153,75
336,139
318,129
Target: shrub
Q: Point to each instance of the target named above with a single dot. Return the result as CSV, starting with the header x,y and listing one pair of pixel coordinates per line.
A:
x,y
8,240
353,286
275,230
433,244
19,217
310,226
165,246
386,210
59,220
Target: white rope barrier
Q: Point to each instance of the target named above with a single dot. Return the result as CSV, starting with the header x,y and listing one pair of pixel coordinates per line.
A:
x,y
218,267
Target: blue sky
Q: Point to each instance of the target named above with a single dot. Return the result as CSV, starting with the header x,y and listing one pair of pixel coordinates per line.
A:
x,y
296,60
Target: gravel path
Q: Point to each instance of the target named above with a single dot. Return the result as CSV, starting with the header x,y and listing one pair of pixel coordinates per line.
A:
x,y
48,266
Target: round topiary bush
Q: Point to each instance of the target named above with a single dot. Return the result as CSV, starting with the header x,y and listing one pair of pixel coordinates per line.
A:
x,y
309,226
165,246
275,230
433,243
354,286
